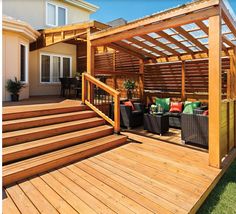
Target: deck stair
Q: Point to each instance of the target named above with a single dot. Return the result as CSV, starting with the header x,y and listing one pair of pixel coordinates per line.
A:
x,y
36,141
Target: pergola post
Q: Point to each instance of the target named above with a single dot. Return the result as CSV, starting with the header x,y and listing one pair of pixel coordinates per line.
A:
x,y
90,63
215,47
183,94
141,76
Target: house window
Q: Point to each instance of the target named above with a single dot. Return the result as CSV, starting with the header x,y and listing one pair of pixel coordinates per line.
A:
x,y
55,15
23,63
55,66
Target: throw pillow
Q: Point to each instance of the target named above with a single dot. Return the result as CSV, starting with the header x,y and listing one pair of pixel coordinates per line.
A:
x,y
129,103
164,103
176,107
190,106
188,109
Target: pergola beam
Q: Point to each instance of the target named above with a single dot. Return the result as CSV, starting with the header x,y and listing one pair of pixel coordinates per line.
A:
x,y
102,39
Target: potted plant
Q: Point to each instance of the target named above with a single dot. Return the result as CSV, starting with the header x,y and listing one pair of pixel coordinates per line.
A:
x,y
14,88
129,86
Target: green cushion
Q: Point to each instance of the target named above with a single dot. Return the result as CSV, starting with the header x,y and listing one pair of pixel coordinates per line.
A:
x,y
190,106
164,103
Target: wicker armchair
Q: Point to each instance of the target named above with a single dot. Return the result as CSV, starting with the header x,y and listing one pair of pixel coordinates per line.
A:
x,y
194,129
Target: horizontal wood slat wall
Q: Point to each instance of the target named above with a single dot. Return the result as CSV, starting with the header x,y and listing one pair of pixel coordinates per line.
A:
x,y
167,77
117,61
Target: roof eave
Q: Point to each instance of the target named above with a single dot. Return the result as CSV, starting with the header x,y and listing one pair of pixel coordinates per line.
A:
x,y
83,4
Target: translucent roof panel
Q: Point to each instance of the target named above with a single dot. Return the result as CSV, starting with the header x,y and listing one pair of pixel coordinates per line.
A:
x,y
180,50
137,46
187,44
162,40
155,54
167,52
159,49
179,38
191,26
173,46
225,29
206,22
138,38
128,42
230,36
195,49
148,43
153,35
197,34
204,41
146,50
169,31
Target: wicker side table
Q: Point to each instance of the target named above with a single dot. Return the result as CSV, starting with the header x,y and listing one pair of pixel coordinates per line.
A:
x,y
158,124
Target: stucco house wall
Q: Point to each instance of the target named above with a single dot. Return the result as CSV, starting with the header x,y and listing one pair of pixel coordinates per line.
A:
x,y
14,34
37,88
34,11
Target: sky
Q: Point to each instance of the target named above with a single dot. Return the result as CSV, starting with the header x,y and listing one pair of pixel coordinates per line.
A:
x,y
133,9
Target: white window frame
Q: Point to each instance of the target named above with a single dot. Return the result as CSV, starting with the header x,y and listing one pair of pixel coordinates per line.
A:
x,y
56,6
51,55
26,62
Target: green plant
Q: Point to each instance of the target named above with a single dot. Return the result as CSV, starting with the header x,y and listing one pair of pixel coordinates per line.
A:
x,y
14,87
129,84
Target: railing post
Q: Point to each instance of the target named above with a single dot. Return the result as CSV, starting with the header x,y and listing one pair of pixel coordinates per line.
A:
x,y
84,88
117,114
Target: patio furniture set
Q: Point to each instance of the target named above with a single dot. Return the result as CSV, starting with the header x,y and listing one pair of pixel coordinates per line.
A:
x,y
190,117
69,85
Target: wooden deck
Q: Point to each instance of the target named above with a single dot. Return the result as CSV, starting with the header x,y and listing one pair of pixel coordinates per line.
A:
x,y
146,177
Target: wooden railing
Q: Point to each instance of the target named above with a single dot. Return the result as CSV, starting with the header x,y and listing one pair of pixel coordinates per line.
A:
x,y
102,99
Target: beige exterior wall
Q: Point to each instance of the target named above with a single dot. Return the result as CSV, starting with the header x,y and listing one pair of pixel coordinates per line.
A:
x,y
37,88
11,62
34,11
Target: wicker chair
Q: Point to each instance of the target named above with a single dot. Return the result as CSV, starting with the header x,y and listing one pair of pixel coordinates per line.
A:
x,y
194,129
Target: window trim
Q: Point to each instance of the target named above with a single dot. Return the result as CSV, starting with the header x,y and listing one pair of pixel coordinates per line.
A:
x,y
56,6
26,62
51,55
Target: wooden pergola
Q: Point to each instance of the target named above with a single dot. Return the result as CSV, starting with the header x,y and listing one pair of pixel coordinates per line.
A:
x,y
202,29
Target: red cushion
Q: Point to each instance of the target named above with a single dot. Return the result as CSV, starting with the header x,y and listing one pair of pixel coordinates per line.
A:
x,y
176,107
205,113
129,103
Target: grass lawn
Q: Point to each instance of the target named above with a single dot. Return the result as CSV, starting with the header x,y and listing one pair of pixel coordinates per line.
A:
x,y
222,199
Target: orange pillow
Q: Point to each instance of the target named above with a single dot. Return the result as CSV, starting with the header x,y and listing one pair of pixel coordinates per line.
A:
x,y
176,107
129,103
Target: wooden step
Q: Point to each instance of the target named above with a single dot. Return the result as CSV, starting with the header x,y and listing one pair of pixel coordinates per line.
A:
x,y
29,149
26,168
11,114
17,137
13,125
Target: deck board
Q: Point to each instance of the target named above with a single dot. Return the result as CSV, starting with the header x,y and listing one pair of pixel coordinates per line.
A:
x,y
146,177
